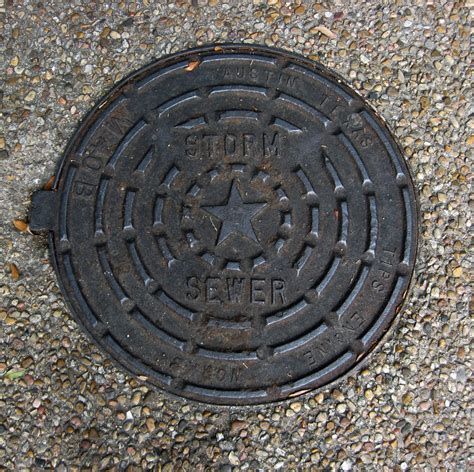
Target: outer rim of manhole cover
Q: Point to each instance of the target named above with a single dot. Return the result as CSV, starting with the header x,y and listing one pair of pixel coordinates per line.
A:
x,y
277,244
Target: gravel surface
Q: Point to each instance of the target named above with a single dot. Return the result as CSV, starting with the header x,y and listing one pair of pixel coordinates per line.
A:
x,y
63,406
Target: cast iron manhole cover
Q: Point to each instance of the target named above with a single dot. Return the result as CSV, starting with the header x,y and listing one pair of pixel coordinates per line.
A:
x,y
232,224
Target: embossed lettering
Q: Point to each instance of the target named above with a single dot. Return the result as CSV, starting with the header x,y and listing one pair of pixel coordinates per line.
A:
x,y
191,148
290,80
235,373
257,291
355,128
230,144
210,145
237,290
353,321
386,261
234,289
308,355
264,75
212,372
329,343
84,189
324,346
98,147
193,286
212,287
220,374
179,366
249,145
377,286
271,144
278,291
387,257
118,125
235,146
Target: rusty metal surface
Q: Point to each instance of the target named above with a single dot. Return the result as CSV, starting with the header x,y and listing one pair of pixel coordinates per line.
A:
x,y
233,224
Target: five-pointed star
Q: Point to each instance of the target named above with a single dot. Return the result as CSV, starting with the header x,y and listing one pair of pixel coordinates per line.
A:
x,y
235,215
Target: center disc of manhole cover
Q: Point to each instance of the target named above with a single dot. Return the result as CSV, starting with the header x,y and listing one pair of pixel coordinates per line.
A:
x,y
233,225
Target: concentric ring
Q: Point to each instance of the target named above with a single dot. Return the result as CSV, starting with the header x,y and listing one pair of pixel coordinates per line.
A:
x,y
236,233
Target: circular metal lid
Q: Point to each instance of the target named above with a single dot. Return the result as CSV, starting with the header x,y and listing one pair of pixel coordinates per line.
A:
x,y
233,224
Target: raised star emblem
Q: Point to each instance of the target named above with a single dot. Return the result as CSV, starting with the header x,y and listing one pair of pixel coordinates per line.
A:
x,y
235,215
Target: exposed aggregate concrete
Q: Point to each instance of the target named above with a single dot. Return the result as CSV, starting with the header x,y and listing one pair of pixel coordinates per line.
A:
x,y
63,406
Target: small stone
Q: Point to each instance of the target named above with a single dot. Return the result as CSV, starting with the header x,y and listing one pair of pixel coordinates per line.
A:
x,y
424,102
30,96
407,399
85,444
122,400
136,398
319,398
27,362
76,421
233,459
296,407
457,272
369,394
392,92
150,424
425,406
115,35
237,426
322,417
346,465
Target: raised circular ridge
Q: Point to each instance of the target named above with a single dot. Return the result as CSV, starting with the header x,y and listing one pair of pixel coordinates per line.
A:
x,y
145,186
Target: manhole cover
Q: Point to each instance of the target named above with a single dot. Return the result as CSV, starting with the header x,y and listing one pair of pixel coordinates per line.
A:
x,y
232,224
